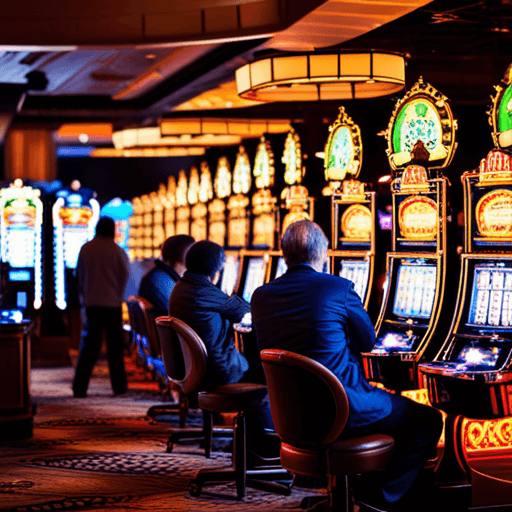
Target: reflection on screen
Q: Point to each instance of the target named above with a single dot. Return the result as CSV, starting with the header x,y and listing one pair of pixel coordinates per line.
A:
x,y
394,342
356,271
281,267
255,277
478,356
491,297
230,274
415,290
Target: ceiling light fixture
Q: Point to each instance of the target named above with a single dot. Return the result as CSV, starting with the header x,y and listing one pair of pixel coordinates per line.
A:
x,y
219,126
344,75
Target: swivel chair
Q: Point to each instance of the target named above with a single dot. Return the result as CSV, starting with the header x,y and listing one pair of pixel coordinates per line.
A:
x,y
230,398
185,380
309,409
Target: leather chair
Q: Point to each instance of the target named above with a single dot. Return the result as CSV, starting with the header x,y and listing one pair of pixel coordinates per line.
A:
x,y
231,398
310,409
150,342
136,328
185,380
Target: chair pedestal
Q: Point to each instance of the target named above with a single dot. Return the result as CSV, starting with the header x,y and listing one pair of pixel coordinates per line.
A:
x,y
260,478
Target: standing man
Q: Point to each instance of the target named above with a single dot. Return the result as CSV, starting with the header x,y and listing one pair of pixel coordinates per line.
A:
x,y
156,286
102,272
321,316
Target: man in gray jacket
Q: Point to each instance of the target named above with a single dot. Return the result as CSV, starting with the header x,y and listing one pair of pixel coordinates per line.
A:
x,y
102,272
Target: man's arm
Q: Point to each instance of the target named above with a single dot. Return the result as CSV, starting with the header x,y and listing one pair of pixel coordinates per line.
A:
x,y
360,328
235,308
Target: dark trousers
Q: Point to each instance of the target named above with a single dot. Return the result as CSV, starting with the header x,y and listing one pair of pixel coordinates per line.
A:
x,y
101,319
416,430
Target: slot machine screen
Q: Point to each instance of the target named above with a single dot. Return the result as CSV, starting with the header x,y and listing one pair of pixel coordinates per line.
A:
x,y
254,278
357,272
415,290
478,357
491,297
281,267
230,274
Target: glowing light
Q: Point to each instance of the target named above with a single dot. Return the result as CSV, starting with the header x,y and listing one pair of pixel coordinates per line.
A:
x,y
385,179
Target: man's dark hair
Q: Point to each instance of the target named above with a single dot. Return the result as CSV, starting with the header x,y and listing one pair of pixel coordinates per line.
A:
x,y
106,227
175,248
304,242
205,258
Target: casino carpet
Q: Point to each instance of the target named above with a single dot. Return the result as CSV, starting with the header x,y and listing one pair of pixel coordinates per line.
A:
x,y
103,453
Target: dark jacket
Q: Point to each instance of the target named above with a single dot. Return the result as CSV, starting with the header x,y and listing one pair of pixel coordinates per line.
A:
x,y
321,316
211,313
156,286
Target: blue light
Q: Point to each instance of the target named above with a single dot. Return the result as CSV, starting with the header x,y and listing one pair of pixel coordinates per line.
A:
x,y
75,151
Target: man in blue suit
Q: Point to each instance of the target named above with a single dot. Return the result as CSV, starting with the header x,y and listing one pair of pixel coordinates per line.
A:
x,y
320,316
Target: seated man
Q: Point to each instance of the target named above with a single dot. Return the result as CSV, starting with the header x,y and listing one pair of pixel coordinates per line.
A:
x,y
321,316
156,286
211,313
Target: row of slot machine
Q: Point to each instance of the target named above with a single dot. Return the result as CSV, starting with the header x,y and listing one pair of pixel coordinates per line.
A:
x,y
440,340
220,208
42,229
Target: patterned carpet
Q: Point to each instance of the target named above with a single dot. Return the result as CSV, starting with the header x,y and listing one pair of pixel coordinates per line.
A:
x,y
103,453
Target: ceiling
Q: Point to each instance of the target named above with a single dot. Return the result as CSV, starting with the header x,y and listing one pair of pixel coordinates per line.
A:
x,y
132,62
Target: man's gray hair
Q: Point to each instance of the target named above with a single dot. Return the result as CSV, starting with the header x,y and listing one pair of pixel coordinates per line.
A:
x,y
304,242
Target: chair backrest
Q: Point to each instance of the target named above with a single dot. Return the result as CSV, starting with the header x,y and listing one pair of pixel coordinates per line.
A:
x,y
148,318
135,318
183,353
308,403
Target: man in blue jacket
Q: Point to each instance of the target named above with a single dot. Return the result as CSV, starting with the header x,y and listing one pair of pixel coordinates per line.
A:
x,y
320,316
156,286
198,302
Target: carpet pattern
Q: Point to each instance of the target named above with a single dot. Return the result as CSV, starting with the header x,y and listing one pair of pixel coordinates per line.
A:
x,y
103,453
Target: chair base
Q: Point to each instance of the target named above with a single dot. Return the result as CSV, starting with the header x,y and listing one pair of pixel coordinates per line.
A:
x,y
190,434
260,477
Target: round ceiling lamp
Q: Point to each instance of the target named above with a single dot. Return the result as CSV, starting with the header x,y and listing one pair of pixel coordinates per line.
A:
x,y
322,76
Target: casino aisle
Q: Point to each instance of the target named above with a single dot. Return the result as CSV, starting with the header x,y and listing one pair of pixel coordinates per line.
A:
x,y
102,452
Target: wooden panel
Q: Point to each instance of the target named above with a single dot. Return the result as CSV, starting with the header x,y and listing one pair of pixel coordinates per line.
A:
x,y
11,374
221,18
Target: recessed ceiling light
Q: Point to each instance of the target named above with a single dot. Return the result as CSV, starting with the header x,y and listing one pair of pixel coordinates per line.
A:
x,y
150,56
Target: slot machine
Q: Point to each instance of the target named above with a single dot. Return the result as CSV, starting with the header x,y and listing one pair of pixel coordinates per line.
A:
x,y
217,227
135,231
182,205
199,211
21,220
470,378
75,214
352,208
147,226
158,234
239,213
295,204
421,142
254,263
169,208
121,211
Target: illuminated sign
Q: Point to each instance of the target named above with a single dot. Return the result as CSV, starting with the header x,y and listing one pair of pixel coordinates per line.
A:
x,y
292,159
74,223
494,214
21,219
479,435
264,165
242,176
422,114
418,218
356,222
496,167
344,149
222,182
414,178
193,186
